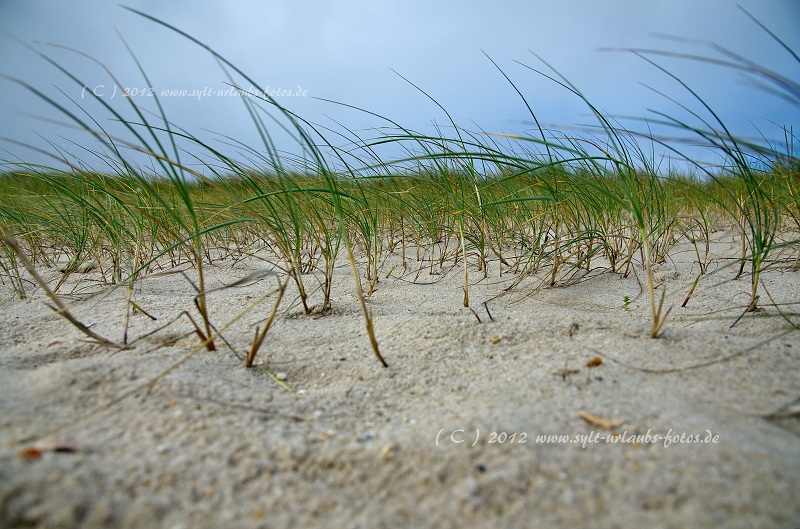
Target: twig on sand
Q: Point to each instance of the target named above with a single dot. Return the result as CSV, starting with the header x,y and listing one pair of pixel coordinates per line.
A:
x,y
693,366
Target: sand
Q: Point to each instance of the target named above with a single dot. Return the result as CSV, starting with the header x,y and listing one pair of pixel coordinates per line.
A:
x,y
493,423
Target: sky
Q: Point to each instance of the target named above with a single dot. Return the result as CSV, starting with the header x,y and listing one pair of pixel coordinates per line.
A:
x,y
371,54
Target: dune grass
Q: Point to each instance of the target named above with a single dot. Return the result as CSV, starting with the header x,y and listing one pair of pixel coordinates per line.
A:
x,y
545,206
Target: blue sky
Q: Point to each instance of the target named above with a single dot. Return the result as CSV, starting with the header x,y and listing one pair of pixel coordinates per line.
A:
x,y
353,51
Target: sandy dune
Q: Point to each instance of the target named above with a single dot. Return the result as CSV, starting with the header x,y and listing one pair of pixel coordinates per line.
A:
x,y
492,423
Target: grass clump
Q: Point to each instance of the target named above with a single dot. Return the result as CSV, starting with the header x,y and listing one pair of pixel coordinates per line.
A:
x,y
547,206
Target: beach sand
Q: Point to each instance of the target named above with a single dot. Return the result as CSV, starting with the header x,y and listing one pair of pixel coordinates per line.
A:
x,y
545,407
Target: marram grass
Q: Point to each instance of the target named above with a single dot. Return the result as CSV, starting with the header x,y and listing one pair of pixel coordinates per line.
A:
x,y
545,205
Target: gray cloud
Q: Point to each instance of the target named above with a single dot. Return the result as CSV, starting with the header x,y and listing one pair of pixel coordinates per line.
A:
x,y
346,51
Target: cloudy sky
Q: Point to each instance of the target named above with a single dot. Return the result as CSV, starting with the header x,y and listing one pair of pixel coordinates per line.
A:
x,y
355,52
